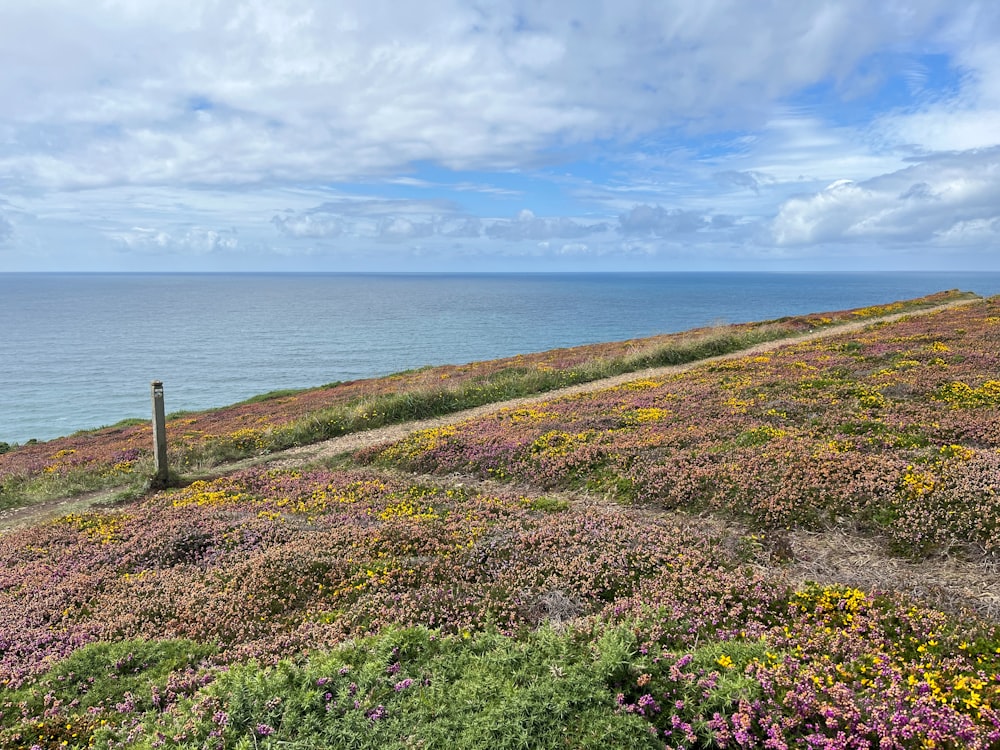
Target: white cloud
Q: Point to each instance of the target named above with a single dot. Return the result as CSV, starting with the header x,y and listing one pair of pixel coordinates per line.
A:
x,y
749,180
308,225
402,220
792,148
368,206
398,229
196,240
945,199
239,91
968,117
527,226
382,219
656,221
635,127
469,228
955,126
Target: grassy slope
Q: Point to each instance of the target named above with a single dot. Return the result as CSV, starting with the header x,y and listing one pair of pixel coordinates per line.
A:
x,y
555,624
120,456
891,430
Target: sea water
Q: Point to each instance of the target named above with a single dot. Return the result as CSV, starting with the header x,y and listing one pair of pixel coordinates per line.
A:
x,y
78,351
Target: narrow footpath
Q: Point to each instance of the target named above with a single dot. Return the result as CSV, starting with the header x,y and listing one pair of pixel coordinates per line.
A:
x,y
316,452
392,433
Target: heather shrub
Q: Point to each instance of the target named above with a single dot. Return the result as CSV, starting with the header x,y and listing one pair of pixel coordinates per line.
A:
x,y
893,430
362,609
949,502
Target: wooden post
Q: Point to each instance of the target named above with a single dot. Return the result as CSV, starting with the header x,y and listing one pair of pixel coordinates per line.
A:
x,y
159,436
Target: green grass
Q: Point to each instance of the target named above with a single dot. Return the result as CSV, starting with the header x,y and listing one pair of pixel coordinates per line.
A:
x,y
130,422
179,414
550,504
19,491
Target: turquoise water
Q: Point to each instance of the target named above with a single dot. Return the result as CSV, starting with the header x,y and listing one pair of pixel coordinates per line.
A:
x,y
78,351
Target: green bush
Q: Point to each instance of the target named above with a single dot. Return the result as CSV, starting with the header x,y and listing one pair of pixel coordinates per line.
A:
x,y
412,688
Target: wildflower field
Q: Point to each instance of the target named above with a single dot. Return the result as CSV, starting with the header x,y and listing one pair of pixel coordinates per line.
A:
x,y
579,573
895,430
121,456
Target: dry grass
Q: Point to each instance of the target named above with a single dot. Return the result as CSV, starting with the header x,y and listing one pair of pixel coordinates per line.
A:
x,y
961,581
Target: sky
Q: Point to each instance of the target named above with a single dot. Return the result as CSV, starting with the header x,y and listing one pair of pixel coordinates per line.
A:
x,y
544,135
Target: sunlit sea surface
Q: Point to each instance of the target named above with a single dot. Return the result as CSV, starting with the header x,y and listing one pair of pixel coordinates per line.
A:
x,y
78,351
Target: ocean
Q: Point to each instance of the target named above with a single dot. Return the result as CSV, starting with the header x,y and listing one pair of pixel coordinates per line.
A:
x,y
78,351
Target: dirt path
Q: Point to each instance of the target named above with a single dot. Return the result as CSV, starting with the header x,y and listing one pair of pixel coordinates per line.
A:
x,y
392,433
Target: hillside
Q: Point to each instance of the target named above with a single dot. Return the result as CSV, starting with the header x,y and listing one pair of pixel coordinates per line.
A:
x,y
782,548
120,457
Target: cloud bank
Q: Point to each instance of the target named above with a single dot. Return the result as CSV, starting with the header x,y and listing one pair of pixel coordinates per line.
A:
x,y
950,199
240,129
238,92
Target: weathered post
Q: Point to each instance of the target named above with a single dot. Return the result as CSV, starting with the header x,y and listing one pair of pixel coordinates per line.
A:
x,y
159,437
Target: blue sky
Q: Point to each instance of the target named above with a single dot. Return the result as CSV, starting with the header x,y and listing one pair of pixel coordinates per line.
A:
x,y
248,135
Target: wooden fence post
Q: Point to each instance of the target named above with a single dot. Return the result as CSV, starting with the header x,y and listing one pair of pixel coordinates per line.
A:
x,y
159,437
